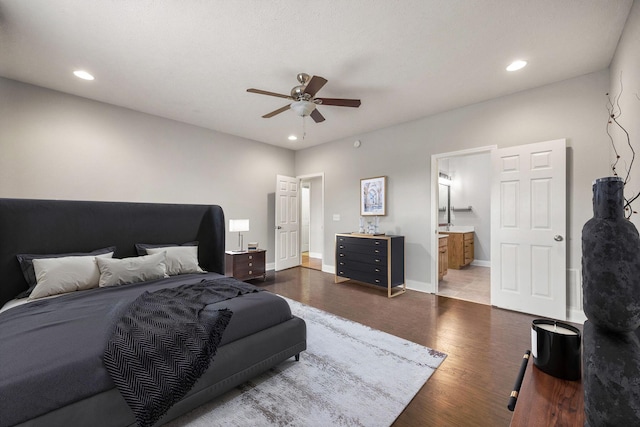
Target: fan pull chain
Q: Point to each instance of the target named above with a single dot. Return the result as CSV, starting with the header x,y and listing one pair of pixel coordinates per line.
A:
x,y
304,127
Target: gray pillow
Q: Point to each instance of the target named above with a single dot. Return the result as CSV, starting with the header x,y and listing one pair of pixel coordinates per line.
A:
x,y
141,248
181,259
65,274
123,271
26,264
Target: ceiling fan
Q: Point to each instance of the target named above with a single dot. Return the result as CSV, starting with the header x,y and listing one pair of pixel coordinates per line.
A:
x,y
303,97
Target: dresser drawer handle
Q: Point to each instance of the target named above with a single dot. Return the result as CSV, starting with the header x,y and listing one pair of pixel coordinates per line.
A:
x,y
377,243
250,264
377,281
341,247
250,256
377,270
341,254
377,251
342,263
377,260
250,272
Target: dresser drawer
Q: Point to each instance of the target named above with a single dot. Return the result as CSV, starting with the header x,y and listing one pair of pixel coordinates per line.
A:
x,y
362,266
248,270
364,241
375,259
248,257
374,278
375,247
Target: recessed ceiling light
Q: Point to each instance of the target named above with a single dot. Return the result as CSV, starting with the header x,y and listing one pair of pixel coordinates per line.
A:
x,y
83,75
293,138
516,65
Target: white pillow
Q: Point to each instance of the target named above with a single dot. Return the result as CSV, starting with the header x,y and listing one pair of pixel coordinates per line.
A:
x,y
132,270
180,259
66,274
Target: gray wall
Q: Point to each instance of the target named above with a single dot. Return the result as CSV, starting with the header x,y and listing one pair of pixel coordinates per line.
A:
x,y
472,187
571,109
59,146
625,69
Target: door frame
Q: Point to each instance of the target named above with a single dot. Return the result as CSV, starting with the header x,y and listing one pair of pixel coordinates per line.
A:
x,y
434,202
308,177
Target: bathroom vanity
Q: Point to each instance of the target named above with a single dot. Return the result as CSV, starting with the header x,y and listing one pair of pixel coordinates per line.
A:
x,y
460,243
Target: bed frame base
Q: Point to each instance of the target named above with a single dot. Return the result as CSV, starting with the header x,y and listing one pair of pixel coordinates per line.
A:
x,y
234,364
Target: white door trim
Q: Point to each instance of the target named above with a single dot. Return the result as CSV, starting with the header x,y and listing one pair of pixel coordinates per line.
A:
x,y
321,176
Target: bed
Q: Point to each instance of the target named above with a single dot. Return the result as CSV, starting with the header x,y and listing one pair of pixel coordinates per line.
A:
x,y
52,348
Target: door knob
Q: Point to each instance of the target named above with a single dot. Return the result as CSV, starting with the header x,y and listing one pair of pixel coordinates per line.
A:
x,y
558,238
278,228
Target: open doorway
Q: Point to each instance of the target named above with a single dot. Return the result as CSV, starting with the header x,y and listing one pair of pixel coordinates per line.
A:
x,y
461,196
311,221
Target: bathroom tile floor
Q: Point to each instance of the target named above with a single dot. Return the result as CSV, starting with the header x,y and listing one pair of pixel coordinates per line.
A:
x,y
471,283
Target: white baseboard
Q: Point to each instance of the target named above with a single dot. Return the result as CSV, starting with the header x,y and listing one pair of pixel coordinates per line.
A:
x,y
270,266
331,269
481,263
315,254
576,316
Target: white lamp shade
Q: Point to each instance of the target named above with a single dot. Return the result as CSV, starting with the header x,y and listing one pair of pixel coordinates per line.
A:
x,y
238,225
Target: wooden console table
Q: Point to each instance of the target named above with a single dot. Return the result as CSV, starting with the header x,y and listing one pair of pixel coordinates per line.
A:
x,y
546,401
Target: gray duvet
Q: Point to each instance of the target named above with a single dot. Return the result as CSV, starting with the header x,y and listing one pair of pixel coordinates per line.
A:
x,y
51,350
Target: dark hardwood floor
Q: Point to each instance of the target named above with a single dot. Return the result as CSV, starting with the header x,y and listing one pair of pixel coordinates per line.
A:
x,y
484,344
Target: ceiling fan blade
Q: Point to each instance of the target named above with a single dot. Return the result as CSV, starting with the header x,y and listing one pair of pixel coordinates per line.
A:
x,y
278,111
316,116
340,102
314,85
264,92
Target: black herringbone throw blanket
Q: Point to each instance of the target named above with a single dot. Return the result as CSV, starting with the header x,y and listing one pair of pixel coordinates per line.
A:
x,y
165,341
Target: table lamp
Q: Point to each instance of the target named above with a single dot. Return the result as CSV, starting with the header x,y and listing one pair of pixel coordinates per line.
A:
x,y
239,225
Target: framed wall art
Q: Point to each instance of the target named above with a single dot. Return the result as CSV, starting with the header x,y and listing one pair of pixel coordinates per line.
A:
x,y
373,196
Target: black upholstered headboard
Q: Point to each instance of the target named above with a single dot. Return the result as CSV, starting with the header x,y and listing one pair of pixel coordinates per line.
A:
x,y
59,226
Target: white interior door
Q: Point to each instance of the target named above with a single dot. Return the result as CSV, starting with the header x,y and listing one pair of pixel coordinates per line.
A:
x,y
287,223
528,229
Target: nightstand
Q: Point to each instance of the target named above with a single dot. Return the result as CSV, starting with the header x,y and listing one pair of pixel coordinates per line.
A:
x,y
246,265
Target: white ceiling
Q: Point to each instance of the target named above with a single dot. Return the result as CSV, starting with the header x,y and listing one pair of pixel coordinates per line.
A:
x,y
193,60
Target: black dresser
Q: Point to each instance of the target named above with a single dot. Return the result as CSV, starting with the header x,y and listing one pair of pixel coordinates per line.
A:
x,y
377,260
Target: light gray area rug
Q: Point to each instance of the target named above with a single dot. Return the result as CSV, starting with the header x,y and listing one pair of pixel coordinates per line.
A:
x,y
350,375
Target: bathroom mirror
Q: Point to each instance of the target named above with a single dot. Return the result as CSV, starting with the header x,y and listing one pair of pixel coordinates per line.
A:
x,y
444,204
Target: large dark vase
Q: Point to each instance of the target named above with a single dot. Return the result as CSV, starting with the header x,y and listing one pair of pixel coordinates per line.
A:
x,y
611,377
611,261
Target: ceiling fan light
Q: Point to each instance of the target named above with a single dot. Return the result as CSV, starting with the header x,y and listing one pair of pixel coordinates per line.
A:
x,y
303,108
